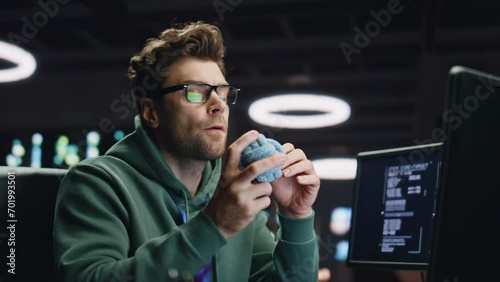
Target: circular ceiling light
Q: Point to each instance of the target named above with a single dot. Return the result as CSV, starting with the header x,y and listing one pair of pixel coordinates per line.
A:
x,y
336,168
25,63
272,110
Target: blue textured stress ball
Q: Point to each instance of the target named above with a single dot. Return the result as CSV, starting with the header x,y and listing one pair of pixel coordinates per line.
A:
x,y
259,149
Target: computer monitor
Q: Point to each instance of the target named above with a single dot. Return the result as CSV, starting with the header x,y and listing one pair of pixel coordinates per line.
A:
x,y
467,240
393,208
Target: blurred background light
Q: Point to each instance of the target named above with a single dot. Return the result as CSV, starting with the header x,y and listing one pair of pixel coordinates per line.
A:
x,y
18,148
72,156
342,250
118,134
13,160
340,220
336,168
272,111
25,63
36,150
93,138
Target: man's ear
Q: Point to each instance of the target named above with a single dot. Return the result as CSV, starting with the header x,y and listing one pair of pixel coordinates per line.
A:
x,y
149,113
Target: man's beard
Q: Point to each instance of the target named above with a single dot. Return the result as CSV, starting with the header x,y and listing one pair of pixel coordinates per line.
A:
x,y
194,147
200,150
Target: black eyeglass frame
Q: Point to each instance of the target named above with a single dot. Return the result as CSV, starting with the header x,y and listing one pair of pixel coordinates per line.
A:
x,y
170,89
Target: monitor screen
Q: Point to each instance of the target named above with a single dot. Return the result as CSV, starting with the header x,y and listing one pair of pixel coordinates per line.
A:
x,y
393,207
467,240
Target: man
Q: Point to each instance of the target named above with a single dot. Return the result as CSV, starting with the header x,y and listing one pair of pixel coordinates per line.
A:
x,y
161,203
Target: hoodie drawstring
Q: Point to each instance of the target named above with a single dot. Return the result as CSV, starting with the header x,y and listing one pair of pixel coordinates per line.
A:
x,y
187,207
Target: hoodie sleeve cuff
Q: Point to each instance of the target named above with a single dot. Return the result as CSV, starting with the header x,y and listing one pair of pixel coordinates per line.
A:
x,y
296,230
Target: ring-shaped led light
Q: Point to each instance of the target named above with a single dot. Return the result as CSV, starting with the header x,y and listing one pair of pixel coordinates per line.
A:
x,y
336,168
266,111
25,63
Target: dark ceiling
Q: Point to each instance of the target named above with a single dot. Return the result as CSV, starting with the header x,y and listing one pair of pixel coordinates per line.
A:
x,y
395,84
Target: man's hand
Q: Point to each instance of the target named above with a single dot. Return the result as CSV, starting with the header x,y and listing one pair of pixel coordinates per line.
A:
x,y
238,199
296,191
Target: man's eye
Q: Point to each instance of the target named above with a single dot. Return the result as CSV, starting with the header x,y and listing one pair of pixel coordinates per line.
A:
x,y
194,97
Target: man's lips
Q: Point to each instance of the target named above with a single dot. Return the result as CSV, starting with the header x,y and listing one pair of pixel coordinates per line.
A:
x,y
216,127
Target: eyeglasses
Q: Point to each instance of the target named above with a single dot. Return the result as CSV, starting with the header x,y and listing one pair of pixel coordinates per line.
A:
x,y
199,93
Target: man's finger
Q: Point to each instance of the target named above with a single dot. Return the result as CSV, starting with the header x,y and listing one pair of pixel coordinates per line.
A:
x,y
261,203
236,148
288,147
257,168
308,180
304,166
260,190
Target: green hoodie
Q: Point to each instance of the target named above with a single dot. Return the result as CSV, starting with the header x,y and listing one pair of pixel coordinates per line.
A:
x,y
117,218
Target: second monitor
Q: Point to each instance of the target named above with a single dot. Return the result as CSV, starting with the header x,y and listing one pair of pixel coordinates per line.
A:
x,y
393,207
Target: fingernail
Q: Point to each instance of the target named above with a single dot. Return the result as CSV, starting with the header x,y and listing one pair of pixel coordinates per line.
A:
x,y
286,172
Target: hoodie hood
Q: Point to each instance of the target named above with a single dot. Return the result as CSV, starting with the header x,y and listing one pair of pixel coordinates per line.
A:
x,y
139,151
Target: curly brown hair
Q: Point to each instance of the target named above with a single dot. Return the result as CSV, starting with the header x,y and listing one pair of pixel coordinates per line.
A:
x,y
191,39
